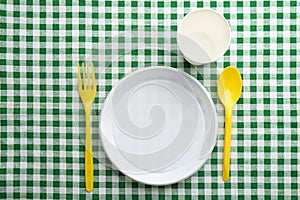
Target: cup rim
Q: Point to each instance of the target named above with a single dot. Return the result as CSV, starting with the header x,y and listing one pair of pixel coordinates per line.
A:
x,y
198,10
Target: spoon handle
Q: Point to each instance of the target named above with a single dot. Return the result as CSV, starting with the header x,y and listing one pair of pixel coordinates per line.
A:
x,y
227,140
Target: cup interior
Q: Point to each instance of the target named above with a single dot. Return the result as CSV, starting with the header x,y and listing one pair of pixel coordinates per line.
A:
x,y
203,36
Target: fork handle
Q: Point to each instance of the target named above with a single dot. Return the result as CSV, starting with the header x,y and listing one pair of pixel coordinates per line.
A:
x,y
88,162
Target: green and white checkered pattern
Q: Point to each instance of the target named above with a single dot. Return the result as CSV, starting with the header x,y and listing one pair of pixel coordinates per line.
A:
x,y
41,43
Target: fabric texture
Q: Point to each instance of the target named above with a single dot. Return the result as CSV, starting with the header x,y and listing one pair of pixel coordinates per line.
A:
x,y
41,148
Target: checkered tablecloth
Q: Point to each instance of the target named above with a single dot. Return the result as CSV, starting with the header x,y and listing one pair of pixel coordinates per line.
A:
x,y
41,151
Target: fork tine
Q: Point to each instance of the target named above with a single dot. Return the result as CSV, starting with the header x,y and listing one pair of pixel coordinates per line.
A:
x,y
88,75
94,79
84,80
79,79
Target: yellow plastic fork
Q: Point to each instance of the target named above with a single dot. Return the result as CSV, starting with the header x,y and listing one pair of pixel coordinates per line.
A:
x,y
87,94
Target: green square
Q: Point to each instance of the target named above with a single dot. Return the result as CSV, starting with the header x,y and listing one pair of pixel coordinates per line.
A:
x,y
279,77
279,15
3,87
293,52
280,40
293,113
240,40
213,4
147,4
279,3
253,16
108,3
147,16
266,52
81,3
29,14
252,88
16,38
253,52
55,3
2,37
240,28
29,51
240,4
267,149
267,113
134,15
108,15
2,50
43,87
43,39
160,16
16,195
16,26
240,16
226,4
227,16
280,28
55,15
293,15
266,3
68,38
55,27
69,14
81,14
173,16
134,3
266,27
279,100
294,125
42,26
267,125
160,4
174,4
43,183
253,113
2,13
81,26
42,15
68,3
266,40
293,3
56,63
95,27
253,125
253,40
253,4
3,111
81,38
279,88
293,40
16,14
16,87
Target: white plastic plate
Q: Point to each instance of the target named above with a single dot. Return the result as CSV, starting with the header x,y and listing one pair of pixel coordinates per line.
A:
x,y
158,125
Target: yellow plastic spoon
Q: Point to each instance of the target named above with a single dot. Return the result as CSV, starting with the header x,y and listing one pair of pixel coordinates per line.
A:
x,y
229,92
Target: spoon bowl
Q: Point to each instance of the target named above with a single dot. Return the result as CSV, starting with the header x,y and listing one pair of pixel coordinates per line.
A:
x,y
229,92
230,86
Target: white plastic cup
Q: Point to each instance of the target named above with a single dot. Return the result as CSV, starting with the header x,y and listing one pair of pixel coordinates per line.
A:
x,y
203,36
